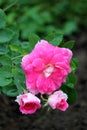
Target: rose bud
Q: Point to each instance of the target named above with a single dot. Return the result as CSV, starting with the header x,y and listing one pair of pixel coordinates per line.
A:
x,y
58,100
28,102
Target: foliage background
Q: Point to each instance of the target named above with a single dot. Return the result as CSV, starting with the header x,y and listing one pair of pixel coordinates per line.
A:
x,y
40,16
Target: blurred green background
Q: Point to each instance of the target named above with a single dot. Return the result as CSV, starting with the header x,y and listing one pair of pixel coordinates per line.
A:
x,y
43,16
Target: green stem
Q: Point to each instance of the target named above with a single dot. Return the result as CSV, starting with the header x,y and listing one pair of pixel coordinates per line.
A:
x,y
9,6
44,99
16,57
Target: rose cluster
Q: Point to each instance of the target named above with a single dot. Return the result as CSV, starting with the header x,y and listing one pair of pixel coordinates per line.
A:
x,y
45,68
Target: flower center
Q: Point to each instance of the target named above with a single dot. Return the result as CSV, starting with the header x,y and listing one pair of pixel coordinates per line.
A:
x,y
49,70
29,106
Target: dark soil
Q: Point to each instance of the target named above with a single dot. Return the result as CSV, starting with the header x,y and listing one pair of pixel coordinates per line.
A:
x,y
75,118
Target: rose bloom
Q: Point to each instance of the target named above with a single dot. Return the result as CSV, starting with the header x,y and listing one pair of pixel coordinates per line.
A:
x,y
58,100
46,67
28,102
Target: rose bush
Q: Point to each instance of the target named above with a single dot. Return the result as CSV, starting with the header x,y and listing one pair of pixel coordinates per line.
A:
x,y
58,100
46,67
28,103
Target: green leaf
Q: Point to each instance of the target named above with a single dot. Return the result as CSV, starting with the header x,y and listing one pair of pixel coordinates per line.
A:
x,y
2,19
22,48
26,47
3,49
0,90
5,76
69,44
6,35
56,41
72,94
71,80
69,27
16,48
74,64
4,81
33,39
54,38
5,60
19,79
10,91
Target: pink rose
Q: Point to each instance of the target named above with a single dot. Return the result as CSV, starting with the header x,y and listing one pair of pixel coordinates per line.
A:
x,y
28,102
46,67
58,100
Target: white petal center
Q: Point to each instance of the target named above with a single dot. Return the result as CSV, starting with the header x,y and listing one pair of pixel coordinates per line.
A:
x,y
49,70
